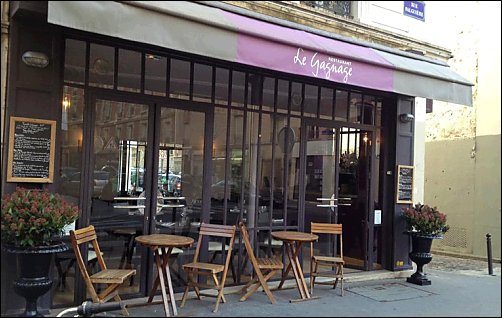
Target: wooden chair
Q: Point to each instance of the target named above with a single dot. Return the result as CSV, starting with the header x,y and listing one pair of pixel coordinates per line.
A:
x,y
209,269
272,265
112,277
336,262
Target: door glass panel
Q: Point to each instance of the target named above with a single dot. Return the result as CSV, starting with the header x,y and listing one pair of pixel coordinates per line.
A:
x,y
179,186
353,188
69,186
118,184
323,169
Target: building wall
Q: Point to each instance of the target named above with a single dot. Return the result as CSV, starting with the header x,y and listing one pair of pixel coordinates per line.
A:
x,y
3,66
461,158
471,136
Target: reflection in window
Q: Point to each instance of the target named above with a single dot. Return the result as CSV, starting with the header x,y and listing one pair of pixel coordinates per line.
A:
x,y
310,104
129,71
341,105
202,83
326,103
102,65
238,88
355,107
179,80
74,63
155,74
282,96
221,89
268,94
70,179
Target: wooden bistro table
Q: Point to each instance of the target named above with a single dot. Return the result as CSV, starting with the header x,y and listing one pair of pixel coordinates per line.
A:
x,y
162,245
293,241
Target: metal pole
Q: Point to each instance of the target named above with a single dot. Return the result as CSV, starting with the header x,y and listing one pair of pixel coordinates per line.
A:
x,y
489,251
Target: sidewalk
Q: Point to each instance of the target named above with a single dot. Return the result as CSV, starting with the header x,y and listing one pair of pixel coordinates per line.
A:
x,y
459,287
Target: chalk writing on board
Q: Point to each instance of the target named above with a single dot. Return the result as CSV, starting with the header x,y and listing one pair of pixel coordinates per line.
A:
x,y
31,150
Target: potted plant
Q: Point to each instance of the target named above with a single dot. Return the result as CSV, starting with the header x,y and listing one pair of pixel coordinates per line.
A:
x,y
31,226
423,223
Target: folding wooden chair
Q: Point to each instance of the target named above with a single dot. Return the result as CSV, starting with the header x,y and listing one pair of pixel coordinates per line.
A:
x,y
209,269
272,265
335,261
112,277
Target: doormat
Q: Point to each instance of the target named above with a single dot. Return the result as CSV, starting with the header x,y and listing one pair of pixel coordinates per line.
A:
x,y
389,292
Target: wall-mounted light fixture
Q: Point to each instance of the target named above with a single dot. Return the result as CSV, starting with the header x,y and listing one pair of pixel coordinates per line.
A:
x,y
35,59
406,118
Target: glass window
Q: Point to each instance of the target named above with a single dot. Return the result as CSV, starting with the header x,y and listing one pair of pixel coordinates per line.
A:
x,y
221,89
341,105
74,62
102,66
254,91
219,165
368,109
326,104
356,102
155,75
268,94
238,88
310,104
282,96
296,99
179,81
129,71
202,82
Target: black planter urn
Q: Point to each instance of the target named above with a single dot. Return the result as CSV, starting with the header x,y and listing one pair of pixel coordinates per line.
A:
x,y
421,255
33,264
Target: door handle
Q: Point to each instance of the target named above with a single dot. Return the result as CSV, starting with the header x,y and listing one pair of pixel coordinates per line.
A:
x,y
331,204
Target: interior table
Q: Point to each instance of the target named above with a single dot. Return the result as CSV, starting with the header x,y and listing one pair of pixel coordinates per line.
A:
x,y
163,245
293,241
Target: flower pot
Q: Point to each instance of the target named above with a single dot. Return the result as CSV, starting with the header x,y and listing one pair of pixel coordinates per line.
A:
x,y
421,255
34,264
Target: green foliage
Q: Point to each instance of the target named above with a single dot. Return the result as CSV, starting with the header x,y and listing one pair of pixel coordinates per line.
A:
x,y
34,217
425,219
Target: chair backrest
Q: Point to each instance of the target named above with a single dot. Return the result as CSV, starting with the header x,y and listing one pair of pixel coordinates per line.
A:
x,y
84,236
247,243
327,228
216,230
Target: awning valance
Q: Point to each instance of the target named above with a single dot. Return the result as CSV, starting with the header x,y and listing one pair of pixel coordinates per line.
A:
x,y
212,32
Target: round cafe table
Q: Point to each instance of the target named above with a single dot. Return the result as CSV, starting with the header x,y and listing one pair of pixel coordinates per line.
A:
x,y
293,241
162,245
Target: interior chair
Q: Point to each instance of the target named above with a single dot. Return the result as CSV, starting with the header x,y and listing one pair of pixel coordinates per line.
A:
x,y
113,278
261,266
196,268
334,259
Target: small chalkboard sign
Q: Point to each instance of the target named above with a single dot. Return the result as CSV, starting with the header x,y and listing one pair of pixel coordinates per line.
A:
x,y
404,184
31,150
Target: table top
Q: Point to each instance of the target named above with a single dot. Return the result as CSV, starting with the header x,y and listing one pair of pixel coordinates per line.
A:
x,y
294,236
164,240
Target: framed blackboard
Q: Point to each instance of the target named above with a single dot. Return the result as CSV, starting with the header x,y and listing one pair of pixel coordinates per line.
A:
x,y
404,184
31,150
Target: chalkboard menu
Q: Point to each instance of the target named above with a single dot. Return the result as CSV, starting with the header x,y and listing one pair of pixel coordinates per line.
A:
x,y
31,150
404,184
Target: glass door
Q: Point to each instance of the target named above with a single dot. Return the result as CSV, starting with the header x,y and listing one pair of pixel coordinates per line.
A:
x,y
140,151
336,185
119,184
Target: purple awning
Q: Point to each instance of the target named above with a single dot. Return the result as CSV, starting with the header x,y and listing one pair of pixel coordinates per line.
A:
x,y
199,29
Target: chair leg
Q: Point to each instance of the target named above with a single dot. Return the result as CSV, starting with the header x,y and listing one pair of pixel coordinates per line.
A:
x,y
124,311
220,292
245,287
185,294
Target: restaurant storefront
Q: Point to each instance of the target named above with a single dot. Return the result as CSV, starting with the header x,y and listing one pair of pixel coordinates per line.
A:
x,y
170,115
